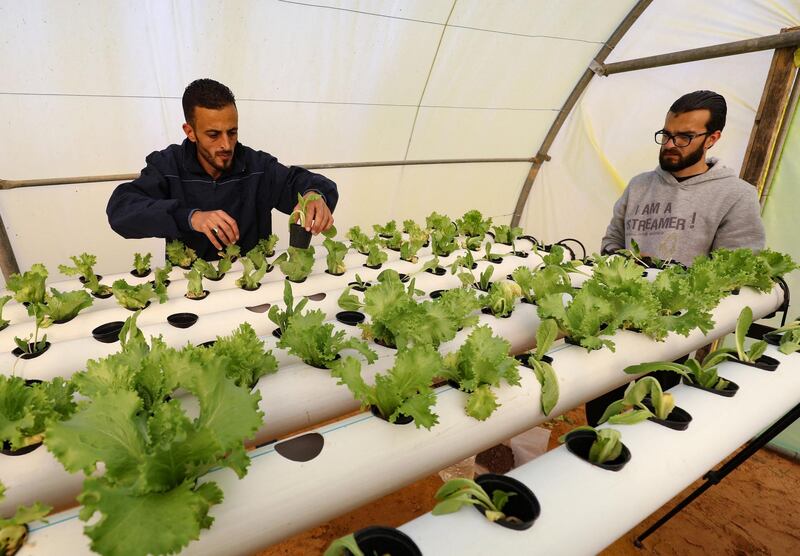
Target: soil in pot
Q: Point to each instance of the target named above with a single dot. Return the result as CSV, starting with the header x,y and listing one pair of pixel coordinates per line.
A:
x,y
205,294
108,332
385,540
497,459
729,391
765,363
7,451
678,419
22,355
134,273
298,236
438,271
350,318
580,442
401,419
182,320
521,510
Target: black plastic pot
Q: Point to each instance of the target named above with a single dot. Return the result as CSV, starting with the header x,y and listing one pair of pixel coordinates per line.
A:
x,y
384,344
322,366
277,333
182,320
251,289
134,273
166,283
436,294
395,249
7,451
293,281
765,363
146,305
298,236
401,419
678,419
82,279
523,359
404,277
728,392
438,271
207,344
520,254
373,267
527,301
523,505
22,355
351,318
487,311
217,279
769,337
580,442
186,295
358,288
102,295
109,332
495,260
62,321
479,288
385,540
332,274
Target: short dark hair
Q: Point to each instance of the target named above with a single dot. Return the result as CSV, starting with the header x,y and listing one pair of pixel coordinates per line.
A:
x,y
205,93
704,100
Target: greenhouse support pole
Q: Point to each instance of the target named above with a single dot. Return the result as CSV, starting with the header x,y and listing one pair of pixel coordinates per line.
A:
x,y
565,111
8,261
789,114
714,477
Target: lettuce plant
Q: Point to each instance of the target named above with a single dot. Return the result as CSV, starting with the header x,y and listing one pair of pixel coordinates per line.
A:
x,y
359,240
409,250
84,266
631,408
701,373
344,546
388,230
161,281
506,234
180,255
415,233
376,257
648,262
405,389
61,307
141,264
335,257
206,269
606,447
488,255
776,264
299,214
789,335
481,363
3,300
29,287
263,249
443,242
484,280
27,411
461,304
584,318
545,374
14,530
296,263
523,276
251,276
758,348
501,296
459,492
133,297
194,286
465,261
32,344
394,241
440,222
281,318
396,318
683,307
315,342
472,224
245,359
153,453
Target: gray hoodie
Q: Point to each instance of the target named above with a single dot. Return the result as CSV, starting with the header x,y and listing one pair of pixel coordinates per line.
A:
x,y
681,220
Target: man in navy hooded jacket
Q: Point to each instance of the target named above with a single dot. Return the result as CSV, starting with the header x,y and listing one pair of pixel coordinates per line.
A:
x,y
212,191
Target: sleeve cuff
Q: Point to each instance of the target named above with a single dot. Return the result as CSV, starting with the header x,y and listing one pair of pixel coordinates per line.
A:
x,y
183,219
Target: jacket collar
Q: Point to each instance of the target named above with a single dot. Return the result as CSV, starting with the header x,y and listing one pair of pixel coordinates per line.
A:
x,y
192,165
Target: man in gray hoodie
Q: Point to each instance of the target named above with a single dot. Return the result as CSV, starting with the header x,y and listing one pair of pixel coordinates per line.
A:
x,y
689,205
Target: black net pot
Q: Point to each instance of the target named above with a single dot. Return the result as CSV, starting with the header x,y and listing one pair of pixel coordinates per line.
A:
x,y
580,442
765,363
142,275
678,419
109,332
729,391
26,355
438,271
401,419
385,540
7,451
350,318
523,505
182,320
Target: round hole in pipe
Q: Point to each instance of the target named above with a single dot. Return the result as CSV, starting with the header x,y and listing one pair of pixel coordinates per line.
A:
x,y
316,296
302,448
259,308
108,332
182,320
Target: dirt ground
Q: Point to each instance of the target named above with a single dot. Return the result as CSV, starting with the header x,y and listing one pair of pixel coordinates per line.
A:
x,y
754,511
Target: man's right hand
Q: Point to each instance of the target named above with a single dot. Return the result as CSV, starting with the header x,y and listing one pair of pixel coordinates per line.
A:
x,y
217,225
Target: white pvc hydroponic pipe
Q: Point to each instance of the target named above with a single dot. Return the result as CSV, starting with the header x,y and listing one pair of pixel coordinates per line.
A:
x,y
365,458
576,496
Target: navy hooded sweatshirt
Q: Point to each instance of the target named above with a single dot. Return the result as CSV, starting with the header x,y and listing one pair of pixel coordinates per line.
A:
x,y
158,203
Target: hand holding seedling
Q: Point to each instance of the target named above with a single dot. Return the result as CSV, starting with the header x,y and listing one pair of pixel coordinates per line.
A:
x,y
217,225
312,213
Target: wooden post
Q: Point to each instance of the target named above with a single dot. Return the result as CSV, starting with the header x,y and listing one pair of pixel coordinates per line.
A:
x,y
769,116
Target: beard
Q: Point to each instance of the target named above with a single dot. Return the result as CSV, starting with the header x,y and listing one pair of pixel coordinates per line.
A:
x,y
218,164
682,161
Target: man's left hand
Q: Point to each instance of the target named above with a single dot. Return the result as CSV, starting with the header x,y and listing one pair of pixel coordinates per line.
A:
x,y
318,216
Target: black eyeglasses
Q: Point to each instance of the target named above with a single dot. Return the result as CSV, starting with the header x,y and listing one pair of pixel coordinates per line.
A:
x,y
679,139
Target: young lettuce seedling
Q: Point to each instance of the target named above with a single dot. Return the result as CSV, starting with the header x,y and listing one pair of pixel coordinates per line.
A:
x,y
473,225
440,222
443,242
394,241
281,318
461,304
296,263
409,250
3,300
500,300
61,307
606,447
14,530
141,264
194,288
133,297
489,256
742,326
26,411
32,344
208,270
161,281
359,240
335,257
245,357
251,276
29,287
315,342
415,233
484,282
387,231
703,374
460,492
405,390
180,255
631,409
344,546
84,267
376,257
789,335
545,374
299,214
506,234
